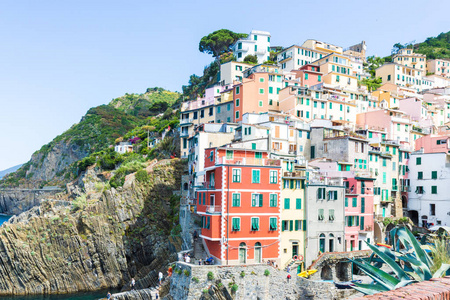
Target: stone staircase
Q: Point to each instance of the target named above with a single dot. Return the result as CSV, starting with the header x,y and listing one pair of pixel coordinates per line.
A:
x,y
199,251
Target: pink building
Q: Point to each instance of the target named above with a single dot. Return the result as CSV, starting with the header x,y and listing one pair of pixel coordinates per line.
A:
x,y
309,75
358,213
433,144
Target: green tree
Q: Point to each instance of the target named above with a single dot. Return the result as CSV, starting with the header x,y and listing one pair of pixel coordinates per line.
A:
x,y
371,83
251,59
219,42
373,63
397,47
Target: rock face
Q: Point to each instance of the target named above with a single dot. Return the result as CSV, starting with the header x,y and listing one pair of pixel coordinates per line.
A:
x,y
46,166
16,201
101,240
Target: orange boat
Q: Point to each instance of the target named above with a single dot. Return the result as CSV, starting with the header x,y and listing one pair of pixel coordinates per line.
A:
x,y
384,245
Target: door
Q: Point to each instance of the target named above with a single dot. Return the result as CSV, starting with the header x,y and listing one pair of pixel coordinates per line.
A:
x,y
313,152
384,212
294,250
258,253
242,253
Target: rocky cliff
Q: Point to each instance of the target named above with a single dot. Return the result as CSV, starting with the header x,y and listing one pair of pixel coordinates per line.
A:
x,y
101,239
16,201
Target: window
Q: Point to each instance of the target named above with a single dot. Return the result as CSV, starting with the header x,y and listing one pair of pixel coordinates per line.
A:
x,y
257,200
419,175
320,215
272,224
433,174
211,156
319,78
361,223
273,200
255,224
419,190
260,103
331,214
270,90
332,195
229,154
284,225
236,200
346,202
255,37
261,79
273,177
298,203
432,209
298,225
418,161
238,90
195,115
236,224
434,189
261,91
287,203
236,175
321,193
306,76
237,102
202,113
363,205
237,115
354,202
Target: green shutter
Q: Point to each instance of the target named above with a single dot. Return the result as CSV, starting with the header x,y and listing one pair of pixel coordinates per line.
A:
x,y
296,224
346,202
362,223
298,203
260,200
304,225
286,203
357,220
363,204
254,200
291,225
283,225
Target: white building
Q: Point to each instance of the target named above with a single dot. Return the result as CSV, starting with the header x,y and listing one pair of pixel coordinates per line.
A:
x,y
123,147
428,201
257,42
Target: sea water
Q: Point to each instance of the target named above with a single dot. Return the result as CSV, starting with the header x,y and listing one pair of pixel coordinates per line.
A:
x,y
3,219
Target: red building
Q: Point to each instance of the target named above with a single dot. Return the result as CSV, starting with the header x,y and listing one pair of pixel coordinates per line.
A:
x,y
239,206
358,213
309,75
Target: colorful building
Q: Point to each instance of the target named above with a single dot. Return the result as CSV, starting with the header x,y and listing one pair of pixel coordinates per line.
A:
x,y
239,206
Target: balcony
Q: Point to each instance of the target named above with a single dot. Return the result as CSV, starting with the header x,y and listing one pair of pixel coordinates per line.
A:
x,y
406,189
205,185
351,191
214,209
296,174
248,161
186,121
368,228
184,134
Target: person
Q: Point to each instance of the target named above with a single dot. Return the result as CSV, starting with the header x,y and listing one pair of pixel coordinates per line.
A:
x,y
195,235
188,259
200,262
133,283
288,277
169,272
288,269
160,276
108,296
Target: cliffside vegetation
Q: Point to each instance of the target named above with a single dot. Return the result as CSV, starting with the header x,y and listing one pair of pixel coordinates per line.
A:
x,y
131,117
435,47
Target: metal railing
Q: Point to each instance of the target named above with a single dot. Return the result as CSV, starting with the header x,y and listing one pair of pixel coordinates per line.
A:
x,y
213,209
249,161
295,174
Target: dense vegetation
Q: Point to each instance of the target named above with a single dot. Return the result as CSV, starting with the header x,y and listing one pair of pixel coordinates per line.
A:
x,y
435,47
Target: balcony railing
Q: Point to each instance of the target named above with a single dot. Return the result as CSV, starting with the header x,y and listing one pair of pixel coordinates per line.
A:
x,y
351,191
212,209
296,174
186,121
205,185
249,161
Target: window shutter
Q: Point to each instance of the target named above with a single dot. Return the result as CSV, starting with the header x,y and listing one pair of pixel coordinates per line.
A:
x,y
283,225
291,225
296,224
260,200
304,225
298,204
362,223
253,200
357,220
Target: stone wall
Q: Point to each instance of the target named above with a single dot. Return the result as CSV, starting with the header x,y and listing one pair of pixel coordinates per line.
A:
x,y
253,285
335,265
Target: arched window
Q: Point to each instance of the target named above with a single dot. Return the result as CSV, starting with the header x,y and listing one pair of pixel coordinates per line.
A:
x,y
322,242
258,252
185,186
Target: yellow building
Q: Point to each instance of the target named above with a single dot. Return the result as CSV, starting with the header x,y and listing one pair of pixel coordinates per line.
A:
x,y
293,219
408,58
401,75
337,71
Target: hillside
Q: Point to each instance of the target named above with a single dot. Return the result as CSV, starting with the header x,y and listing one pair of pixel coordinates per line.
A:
x,y
435,47
9,170
55,162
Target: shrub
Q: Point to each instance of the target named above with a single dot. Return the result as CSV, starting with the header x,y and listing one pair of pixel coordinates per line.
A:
x,y
205,291
242,274
210,275
33,253
234,288
187,273
78,204
195,279
142,176
220,284
253,273
266,272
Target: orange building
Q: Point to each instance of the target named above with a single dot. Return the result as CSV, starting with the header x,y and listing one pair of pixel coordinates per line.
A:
x,y
239,206
258,92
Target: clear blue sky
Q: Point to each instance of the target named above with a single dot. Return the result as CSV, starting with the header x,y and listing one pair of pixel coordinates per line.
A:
x,y
59,58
